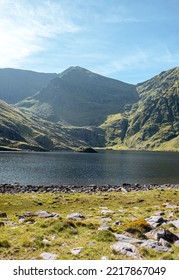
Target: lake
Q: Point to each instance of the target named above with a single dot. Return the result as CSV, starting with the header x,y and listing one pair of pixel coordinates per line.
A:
x,y
105,167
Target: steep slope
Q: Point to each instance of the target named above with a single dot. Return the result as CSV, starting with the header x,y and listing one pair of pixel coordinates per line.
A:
x,y
153,122
81,98
26,131
16,84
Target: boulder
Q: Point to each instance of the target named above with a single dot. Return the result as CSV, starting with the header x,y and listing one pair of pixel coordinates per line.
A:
x,y
175,223
107,211
123,238
155,221
104,227
41,214
48,256
75,216
155,245
162,233
125,249
76,251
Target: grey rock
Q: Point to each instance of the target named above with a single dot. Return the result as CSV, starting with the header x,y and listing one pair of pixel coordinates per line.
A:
x,y
107,211
123,238
171,206
162,233
75,216
105,220
155,221
175,223
176,243
104,227
41,214
104,258
48,256
3,215
46,241
76,251
155,245
125,249
164,242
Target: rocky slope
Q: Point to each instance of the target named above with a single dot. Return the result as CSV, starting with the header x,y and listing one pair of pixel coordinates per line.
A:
x,y
78,98
81,98
20,130
153,122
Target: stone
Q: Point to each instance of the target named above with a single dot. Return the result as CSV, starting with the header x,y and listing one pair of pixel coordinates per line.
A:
x,y
171,206
175,223
105,220
123,238
76,251
164,242
46,241
48,256
155,245
107,211
155,221
162,233
104,227
3,215
41,214
75,216
176,243
159,213
104,258
2,224
125,249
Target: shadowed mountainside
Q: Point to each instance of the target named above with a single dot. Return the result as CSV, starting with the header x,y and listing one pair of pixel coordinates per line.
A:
x,y
16,84
80,98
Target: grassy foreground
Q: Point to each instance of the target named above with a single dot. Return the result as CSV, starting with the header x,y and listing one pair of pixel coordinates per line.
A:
x,y
27,240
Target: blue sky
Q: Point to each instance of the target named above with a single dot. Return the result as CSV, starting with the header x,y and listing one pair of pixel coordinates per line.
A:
x,y
129,40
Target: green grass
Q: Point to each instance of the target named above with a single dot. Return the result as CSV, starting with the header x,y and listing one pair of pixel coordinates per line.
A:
x,y
26,240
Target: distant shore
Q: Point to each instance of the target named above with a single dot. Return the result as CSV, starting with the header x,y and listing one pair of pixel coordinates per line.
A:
x,y
90,189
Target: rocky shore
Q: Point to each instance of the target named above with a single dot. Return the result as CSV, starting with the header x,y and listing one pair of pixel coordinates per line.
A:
x,y
90,189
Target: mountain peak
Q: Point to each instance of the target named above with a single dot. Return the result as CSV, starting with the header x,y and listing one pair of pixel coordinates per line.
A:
x,y
74,70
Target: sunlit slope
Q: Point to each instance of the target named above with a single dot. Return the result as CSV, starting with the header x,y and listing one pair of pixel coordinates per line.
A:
x,y
20,130
153,122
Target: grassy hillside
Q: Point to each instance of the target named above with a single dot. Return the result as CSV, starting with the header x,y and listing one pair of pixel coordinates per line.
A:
x,y
153,122
27,238
22,130
80,98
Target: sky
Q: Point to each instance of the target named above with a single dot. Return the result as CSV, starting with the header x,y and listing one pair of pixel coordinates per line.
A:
x,y
128,40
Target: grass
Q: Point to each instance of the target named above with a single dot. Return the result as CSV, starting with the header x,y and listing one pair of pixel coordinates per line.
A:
x,y
26,240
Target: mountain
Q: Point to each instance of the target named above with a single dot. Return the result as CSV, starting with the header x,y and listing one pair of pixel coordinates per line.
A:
x,y
153,122
81,98
16,84
81,108
28,132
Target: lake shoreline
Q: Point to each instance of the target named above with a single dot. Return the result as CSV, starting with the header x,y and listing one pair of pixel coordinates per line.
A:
x,y
90,189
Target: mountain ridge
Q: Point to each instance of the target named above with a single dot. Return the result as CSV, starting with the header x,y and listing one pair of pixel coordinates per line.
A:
x,y
150,121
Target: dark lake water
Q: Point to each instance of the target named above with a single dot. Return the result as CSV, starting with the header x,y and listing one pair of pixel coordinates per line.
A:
x,y
105,167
